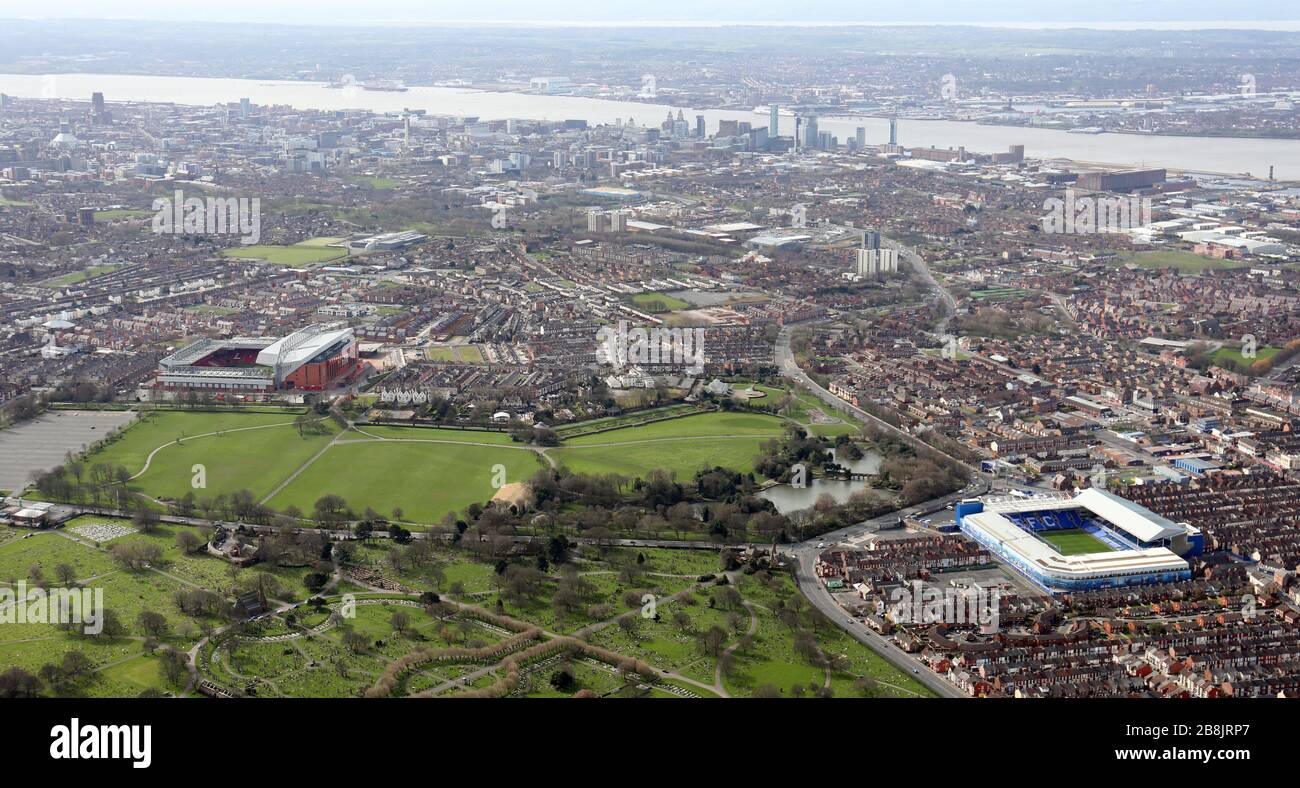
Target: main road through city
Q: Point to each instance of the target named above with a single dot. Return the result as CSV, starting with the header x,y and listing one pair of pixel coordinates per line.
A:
x,y
805,553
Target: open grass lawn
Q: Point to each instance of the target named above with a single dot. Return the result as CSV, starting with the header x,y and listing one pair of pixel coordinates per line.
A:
x,y
154,429
1074,541
208,309
659,302
131,677
78,277
321,241
1231,353
1187,262
773,660
436,434
667,644
375,181
114,214
456,354
997,293
317,665
123,671
239,458
46,550
299,255
625,420
604,683
703,425
450,569
682,445
426,479
603,587
197,568
684,457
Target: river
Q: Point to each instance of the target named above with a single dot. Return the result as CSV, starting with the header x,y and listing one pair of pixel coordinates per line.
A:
x,y
1228,155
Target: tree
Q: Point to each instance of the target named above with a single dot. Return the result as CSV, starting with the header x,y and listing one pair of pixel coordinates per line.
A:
x,y
18,683
135,556
563,679
330,509
145,518
152,623
175,666
400,622
188,541
866,686
75,666
354,641
66,574
711,641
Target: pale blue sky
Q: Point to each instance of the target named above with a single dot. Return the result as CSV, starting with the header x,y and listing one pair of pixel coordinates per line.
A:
x,y
1086,12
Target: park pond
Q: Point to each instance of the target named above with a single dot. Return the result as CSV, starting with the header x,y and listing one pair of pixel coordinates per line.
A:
x,y
792,499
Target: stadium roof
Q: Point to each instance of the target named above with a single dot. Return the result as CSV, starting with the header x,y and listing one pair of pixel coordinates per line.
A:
x,y
1135,520
1034,550
300,347
206,347
218,373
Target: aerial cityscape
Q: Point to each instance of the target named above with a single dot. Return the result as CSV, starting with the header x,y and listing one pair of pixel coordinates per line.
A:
x,y
875,360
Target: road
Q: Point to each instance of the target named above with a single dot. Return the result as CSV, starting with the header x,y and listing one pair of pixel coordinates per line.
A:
x,y
805,553
923,272
788,367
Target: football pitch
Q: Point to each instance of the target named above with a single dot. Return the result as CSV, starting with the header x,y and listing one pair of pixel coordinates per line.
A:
x,y
1074,541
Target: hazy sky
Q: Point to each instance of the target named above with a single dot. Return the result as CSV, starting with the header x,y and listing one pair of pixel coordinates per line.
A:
x,y
1088,12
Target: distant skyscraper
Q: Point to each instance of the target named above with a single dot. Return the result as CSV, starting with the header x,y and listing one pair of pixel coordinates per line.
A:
x,y
870,239
774,121
862,137
893,131
811,135
245,106
873,262
97,103
699,127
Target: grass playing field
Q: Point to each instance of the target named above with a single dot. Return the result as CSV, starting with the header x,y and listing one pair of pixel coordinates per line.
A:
x,y
253,451
456,354
299,255
1074,541
426,480
659,302
425,472
681,445
78,277
1234,354
704,425
1184,261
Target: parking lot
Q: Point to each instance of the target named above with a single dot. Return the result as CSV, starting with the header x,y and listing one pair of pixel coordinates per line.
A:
x,y
42,443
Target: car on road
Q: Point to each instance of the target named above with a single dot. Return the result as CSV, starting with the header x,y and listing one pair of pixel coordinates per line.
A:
x,y
820,545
